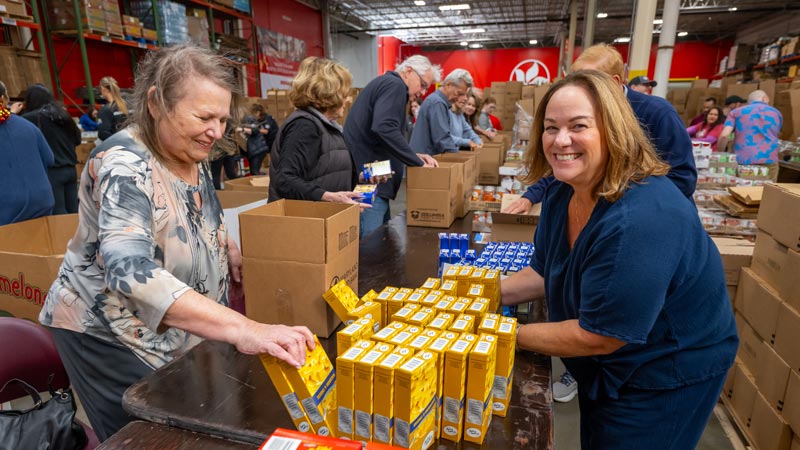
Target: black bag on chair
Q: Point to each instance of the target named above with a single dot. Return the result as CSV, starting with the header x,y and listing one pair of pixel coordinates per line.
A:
x,y
47,425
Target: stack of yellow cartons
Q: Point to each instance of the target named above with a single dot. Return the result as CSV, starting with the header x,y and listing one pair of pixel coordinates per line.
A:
x,y
396,301
449,287
764,385
287,394
480,378
440,346
491,288
463,279
479,307
362,401
504,372
415,402
459,306
346,387
349,308
382,299
383,394
359,330
454,388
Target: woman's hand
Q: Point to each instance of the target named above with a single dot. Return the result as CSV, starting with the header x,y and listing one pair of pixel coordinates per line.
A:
x,y
234,261
520,206
344,197
428,160
491,134
285,343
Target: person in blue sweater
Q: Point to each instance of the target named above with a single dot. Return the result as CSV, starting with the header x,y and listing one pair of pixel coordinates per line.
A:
x,y
432,131
655,115
637,305
24,159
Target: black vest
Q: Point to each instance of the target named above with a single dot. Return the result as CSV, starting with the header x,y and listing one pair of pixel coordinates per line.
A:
x,y
334,171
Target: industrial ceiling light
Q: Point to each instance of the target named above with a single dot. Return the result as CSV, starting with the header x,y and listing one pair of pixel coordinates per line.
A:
x,y
602,15
475,45
658,21
464,43
683,34
456,7
419,2
533,42
733,8
472,30
622,39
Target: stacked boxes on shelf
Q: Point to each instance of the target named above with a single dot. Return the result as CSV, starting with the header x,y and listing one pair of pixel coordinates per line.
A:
x,y
95,16
172,22
197,26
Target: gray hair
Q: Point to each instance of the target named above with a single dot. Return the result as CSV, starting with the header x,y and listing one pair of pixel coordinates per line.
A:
x,y
421,65
757,96
458,76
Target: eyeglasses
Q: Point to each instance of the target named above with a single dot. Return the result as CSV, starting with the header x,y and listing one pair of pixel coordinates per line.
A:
x,y
422,82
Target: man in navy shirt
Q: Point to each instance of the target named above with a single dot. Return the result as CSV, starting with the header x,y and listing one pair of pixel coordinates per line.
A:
x,y
432,131
656,116
375,129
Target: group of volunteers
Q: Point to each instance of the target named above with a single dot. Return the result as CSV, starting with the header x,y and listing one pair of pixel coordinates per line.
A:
x,y
638,307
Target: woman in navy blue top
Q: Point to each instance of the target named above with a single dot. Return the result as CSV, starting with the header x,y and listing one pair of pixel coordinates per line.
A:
x,y
635,288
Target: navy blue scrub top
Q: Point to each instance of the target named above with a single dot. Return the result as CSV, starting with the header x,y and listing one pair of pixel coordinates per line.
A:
x,y
643,270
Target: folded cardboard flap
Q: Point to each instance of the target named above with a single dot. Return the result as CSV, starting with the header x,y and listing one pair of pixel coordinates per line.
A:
x,y
44,236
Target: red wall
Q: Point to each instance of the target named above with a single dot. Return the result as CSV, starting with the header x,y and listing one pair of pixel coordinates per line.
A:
x,y
689,60
292,19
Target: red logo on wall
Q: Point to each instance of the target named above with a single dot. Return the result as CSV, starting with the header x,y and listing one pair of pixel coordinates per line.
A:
x,y
531,71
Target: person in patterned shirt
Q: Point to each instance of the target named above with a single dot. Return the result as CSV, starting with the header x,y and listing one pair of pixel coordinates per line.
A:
x,y
757,126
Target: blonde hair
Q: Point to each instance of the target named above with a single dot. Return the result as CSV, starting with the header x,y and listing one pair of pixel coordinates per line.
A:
x,y
631,157
602,57
167,71
321,83
110,84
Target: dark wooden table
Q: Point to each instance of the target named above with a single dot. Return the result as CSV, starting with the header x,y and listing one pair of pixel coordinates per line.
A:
x,y
152,436
215,389
788,172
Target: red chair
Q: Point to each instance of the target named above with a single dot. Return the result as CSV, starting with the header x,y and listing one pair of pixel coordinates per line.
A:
x,y
29,353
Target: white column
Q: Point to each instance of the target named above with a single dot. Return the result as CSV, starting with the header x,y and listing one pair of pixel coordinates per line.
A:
x,y
560,69
326,29
573,28
588,23
666,43
639,54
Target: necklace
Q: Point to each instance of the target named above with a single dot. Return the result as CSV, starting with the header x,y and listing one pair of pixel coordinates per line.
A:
x,y
5,114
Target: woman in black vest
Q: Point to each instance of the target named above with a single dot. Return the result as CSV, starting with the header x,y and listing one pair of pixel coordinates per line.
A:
x,y
309,159
114,113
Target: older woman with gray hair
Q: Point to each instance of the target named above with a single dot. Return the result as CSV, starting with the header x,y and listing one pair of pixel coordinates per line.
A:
x,y
146,275
432,131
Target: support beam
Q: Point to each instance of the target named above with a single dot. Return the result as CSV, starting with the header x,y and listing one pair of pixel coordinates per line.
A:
x,y
666,44
573,28
588,23
639,53
326,29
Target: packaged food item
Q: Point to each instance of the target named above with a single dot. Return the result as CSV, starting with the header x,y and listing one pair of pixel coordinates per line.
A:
x,y
404,336
288,396
369,296
424,339
463,277
367,192
444,241
449,287
415,402
396,302
504,371
454,388
367,310
475,290
480,378
431,283
464,323
417,295
382,299
444,303
345,387
440,346
477,193
478,307
383,393
341,299
489,193
422,317
359,330
459,306
289,439
363,396
314,384
488,324
377,169
404,313
431,298
387,332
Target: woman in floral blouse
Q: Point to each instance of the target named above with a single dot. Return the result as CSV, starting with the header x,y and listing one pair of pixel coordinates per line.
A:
x,y
146,275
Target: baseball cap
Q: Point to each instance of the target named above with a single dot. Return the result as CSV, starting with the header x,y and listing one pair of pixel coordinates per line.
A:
x,y
734,99
643,80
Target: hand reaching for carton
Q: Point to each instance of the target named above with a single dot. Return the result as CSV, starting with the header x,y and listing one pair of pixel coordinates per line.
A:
x,y
520,206
285,343
344,197
428,160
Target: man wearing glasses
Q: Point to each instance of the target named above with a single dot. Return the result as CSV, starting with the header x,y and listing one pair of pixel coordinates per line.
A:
x,y
375,129
432,131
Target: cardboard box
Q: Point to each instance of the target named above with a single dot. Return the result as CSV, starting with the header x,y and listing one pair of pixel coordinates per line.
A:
x,y
433,194
256,184
30,256
513,227
736,253
480,378
469,165
768,429
314,384
750,344
234,199
744,395
772,376
787,336
454,388
383,394
362,399
286,393
310,246
415,402
787,286
727,387
779,213
283,438
791,409
758,303
490,157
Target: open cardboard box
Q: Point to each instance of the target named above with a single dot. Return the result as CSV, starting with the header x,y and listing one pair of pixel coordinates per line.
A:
x,y
433,194
515,227
253,184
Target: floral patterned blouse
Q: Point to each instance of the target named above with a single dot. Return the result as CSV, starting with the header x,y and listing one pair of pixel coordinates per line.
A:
x,y
141,243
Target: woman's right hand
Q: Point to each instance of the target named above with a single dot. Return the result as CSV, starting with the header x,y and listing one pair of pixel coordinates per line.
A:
x,y
283,342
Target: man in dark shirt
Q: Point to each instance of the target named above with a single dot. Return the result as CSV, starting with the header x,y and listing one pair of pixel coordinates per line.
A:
x,y
376,125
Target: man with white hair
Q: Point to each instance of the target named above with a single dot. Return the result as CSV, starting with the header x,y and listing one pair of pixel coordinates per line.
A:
x,y
375,129
432,131
757,126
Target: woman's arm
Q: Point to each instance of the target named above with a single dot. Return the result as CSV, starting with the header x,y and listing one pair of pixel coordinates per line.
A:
x,y
692,130
565,339
523,286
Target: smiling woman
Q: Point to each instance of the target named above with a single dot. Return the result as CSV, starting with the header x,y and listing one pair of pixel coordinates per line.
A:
x,y
147,274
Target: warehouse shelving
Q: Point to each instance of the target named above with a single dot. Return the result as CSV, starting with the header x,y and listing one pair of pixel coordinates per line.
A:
x,y
32,23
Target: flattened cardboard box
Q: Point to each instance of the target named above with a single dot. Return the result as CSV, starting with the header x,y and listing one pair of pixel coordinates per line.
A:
x,y
30,256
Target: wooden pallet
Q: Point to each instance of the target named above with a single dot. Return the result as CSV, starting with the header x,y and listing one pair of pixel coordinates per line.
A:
x,y
16,16
91,31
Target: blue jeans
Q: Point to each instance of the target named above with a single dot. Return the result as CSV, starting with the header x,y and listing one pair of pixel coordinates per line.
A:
x,y
373,218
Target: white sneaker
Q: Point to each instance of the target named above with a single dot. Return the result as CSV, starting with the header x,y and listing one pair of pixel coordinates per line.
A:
x,y
565,389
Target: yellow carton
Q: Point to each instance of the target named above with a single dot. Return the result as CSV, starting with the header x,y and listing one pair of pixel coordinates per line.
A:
x,y
489,323
464,280
450,274
388,331
464,323
477,275
404,313
346,386
442,321
396,302
459,306
369,296
440,346
404,336
358,330
504,372
449,287
314,384
443,305
491,288
431,298
287,394
478,307
475,290
415,402
417,295
383,392
422,317
382,299
480,378
431,283
362,398
342,300
368,310
454,389
424,339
